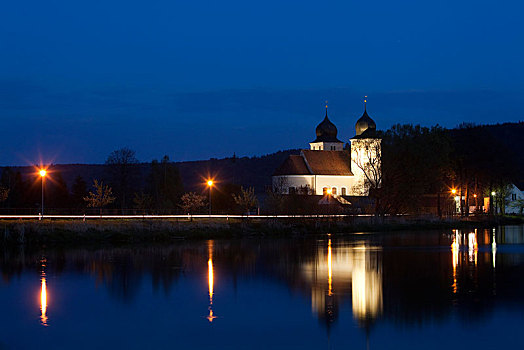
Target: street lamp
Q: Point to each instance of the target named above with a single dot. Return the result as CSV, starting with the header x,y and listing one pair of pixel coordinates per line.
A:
x,y
210,185
43,173
453,191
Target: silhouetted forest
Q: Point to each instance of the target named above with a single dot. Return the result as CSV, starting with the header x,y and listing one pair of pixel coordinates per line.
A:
x,y
416,161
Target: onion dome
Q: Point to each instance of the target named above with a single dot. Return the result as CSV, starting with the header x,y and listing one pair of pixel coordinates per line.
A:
x,y
365,123
326,131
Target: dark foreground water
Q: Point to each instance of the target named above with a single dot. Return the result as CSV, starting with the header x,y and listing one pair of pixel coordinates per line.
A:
x,y
413,290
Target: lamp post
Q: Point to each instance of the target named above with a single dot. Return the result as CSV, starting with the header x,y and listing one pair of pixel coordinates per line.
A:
x,y
210,185
494,202
453,193
43,173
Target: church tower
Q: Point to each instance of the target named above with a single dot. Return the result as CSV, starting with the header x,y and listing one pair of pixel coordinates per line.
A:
x,y
326,136
366,156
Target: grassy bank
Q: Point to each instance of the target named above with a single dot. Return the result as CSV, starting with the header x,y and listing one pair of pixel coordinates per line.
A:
x,y
132,231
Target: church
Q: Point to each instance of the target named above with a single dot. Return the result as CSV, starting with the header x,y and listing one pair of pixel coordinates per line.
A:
x,y
329,167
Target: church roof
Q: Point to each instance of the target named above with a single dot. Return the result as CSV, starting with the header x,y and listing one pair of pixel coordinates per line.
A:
x,y
328,162
367,134
365,123
326,131
317,163
293,165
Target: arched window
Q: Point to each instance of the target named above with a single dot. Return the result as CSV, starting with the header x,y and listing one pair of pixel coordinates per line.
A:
x,y
333,190
343,190
324,191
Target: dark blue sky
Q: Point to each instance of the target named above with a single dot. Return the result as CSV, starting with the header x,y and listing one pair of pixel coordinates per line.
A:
x,y
200,79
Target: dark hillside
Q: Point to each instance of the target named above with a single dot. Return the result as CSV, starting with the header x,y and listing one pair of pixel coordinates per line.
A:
x,y
476,142
246,171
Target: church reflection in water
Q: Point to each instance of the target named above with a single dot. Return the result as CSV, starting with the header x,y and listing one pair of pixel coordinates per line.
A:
x,y
340,271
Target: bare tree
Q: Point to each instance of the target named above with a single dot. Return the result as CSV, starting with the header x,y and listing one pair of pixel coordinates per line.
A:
x,y
103,196
280,185
502,196
192,201
246,199
121,164
368,158
143,201
4,193
518,204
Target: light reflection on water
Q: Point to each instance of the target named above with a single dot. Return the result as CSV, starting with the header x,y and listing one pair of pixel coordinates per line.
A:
x,y
349,270
43,302
210,281
43,296
360,287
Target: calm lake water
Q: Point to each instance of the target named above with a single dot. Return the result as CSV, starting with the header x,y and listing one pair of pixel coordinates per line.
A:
x,y
408,290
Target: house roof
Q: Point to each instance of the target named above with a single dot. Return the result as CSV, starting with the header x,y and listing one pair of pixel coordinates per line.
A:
x,y
328,162
293,165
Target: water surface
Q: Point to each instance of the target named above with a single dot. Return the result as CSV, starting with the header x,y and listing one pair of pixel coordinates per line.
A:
x,y
409,290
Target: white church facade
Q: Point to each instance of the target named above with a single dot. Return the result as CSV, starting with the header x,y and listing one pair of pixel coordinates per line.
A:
x,y
328,167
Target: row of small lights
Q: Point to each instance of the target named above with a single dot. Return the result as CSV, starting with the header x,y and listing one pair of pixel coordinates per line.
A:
x,y
457,198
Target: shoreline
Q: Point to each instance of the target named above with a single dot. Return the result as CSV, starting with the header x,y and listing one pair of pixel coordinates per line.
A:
x,y
75,232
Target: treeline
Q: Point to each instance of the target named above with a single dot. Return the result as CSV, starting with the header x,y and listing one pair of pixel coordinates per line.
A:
x,y
467,163
123,187
161,189
415,163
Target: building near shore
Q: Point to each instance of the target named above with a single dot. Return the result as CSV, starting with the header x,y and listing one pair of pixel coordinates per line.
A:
x,y
330,167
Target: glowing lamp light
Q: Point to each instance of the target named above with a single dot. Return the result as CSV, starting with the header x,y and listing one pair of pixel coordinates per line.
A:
x,y
453,191
329,191
475,195
210,183
493,193
43,172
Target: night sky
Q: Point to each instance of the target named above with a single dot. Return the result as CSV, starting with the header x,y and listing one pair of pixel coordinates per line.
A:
x,y
201,79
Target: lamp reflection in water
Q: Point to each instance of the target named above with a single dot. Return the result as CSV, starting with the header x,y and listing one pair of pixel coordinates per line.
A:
x,y
330,270
455,257
210,281
494,248
472,246
43,296
464,239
